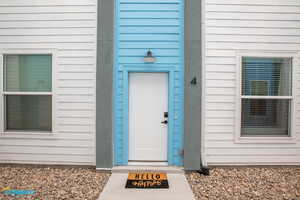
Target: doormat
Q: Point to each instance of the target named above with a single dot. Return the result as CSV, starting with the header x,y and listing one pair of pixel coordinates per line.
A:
x,y
147,181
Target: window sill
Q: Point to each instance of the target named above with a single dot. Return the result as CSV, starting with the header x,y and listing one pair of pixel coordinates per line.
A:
x,y
23,133
265,140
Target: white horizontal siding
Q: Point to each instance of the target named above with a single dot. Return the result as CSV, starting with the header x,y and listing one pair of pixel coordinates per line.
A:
x,y
70,27
231,26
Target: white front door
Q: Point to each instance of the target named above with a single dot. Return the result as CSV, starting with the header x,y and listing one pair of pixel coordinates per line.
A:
x,y
148,107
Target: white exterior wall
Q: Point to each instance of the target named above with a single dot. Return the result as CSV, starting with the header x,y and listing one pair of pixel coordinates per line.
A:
x,y
69,27
232,26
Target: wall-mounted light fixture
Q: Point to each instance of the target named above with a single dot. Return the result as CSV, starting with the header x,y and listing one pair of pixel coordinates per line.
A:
x,y
149,58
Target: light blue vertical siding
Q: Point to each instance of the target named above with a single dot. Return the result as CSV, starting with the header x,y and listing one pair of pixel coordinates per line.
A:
x,y
142,25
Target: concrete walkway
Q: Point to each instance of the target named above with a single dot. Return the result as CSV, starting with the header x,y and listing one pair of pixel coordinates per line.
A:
x,y
115,188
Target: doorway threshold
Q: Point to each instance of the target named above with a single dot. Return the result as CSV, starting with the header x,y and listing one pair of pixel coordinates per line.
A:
x,y
162,169
137,163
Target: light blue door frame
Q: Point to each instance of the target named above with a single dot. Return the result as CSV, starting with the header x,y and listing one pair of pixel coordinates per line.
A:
x,y
140,26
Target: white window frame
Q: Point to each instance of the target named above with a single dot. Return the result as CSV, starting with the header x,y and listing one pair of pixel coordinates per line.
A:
x,y
268,139
53,53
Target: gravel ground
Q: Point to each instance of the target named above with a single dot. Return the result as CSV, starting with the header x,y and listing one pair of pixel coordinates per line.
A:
x,y
247,183
54,183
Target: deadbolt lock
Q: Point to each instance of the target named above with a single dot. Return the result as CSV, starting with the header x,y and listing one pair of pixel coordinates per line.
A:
x,y
166,114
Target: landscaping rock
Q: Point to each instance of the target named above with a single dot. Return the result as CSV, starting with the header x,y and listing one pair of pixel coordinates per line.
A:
x,y
247,183
54,183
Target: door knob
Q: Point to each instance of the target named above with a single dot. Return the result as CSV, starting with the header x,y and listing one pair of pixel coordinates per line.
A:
x,y
165,122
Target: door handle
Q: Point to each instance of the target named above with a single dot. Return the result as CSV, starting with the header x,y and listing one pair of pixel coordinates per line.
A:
x,y
165,122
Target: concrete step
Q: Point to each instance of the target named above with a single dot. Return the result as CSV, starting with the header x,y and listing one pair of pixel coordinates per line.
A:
x,y
115,189
162,169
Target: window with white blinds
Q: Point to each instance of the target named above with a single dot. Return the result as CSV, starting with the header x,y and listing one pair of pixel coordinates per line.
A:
x,y
266,96
27,92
